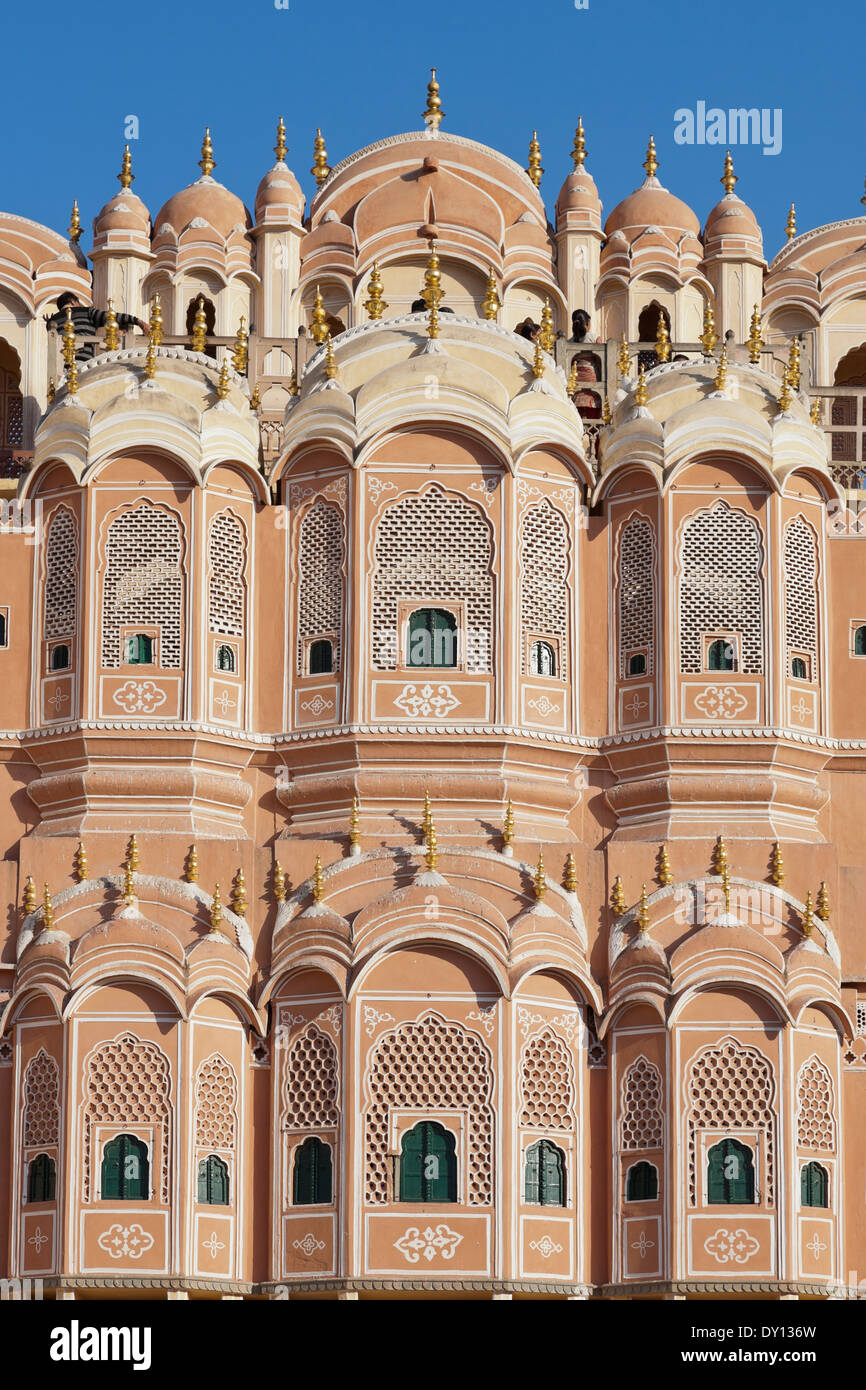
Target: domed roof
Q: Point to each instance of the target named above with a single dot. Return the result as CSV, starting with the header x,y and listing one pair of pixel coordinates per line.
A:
x,y
125,212
652,205
206,200
579,194
279,190
731,217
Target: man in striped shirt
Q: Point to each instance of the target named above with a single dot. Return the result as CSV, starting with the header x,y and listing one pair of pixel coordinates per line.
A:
x,y
87,322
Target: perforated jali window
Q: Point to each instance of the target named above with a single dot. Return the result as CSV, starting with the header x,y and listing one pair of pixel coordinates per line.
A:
x,y
439,549
425,1066
636,596
61,574
642,1122
547,1084
127,1083
310,1095
216,1091
42,1100
720,585
543,580
321,552
143,582
226,553
801,592
816,1126
731,1087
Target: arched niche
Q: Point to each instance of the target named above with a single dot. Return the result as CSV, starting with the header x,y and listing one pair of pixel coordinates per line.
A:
x,y
442,970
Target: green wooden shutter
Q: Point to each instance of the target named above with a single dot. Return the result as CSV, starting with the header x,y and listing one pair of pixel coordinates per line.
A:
x,y
41,1179
531,1184
313,1174
550,1177
213,1181
730,1173
111,1169
135,1171
412,1165
642,1183
428,1164
813,1186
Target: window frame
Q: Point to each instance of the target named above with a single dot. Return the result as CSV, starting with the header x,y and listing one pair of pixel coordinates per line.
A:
x,y
205,1162
640,1163
325,1146
533,639
307,652
129,630
29,1199
452,1176
537,1145
148,1176
4,619
219,645
857,626
629,656
752,1145
708,641
53,647
405,611
808,1164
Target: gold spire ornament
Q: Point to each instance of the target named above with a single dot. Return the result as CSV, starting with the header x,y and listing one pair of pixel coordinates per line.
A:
x,y
207,163
318,881
490,305
279,882
431,855
150,361
722,372
319,326
80,862
815,412
223,385
433,113
643,913
651,163
431,290
126,176
239,894
112,337
508,826
330,360
728,178
67,339
191,866
427,817
640,395
755,342
573,383
374,303
663,342
726,888
538,361
294,388
28,899
216,910
617,897
534,169
255,398
791,224
132,854
128,894
280,147
539,882
47,910
808,917
354,820
72,378
546,335
321,169
709,337
665,873
198,340
74,228
570,875
578,151
777,865
605,411
720,855
794,364
240,351
623,360
786,399
156,320
822,904
52,389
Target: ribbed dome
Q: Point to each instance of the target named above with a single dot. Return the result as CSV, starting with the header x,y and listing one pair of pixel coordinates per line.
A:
x,y
279,190
205,199
124,212
579,194
732,217
652,205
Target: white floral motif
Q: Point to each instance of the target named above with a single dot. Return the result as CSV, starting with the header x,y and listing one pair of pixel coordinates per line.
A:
x,y
545,1247
39,1239
60,697
372,1019
721,701
376,486
300,494
802,710
129,1242
427,702
213,1245
309,1245
416,1244
816,1245
731,1247
525,1020
485,1014
224,702
487,489
635,705
643,1244
337,489
139,697
544,706
334,1016
316,705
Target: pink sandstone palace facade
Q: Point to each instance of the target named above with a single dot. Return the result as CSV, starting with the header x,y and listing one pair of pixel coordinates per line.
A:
x,y
433,755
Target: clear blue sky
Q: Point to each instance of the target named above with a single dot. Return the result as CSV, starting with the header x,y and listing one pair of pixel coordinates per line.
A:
x,y
73,73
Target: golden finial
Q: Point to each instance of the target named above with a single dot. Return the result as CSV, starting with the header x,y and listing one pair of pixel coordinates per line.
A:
x,y
156,320
538,360
374,303
755,342
150,361
330,360
651,163
74,228
794,364
240,351
815,412
280,147
720,855
239,894
28,900
808,919
319,327
432,116
643,912
640,395
321,168
534,169
427,817
546,335
255,398
128,894
354,820
52,389
223,385
822,904
72,378
198,341
665,873
777,865
207,163
722,372
663,342
617,897
728,178
80,862
47,910
112,337
279,882
126,175
573,382
570,875
508,826
791,224
623,360
786,398
431,856
132,854
216,910
490,305
709,337
726,887
433,322
294,388
539,882
318,881
578,152
191,866
605,411
68,339
431,290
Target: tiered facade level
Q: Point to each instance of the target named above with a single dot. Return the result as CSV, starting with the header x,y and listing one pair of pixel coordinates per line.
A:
x,y
591,1021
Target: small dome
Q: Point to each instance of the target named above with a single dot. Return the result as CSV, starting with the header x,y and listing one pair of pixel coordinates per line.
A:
x,y
579,194
208,200
732,217
125,212
652,205
280,194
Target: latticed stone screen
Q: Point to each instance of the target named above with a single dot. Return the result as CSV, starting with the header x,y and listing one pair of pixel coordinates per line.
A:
x,y
434,548
731,1087
226,554
547,1084
143,582
430,1065
321,553
801,592
127,1083
544,580
642,1124
816,1126
42,1101
216,1098
310,1094
61,574
636,596
721,590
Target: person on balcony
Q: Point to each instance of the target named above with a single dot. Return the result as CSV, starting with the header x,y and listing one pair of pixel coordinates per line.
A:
x,y
87,321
